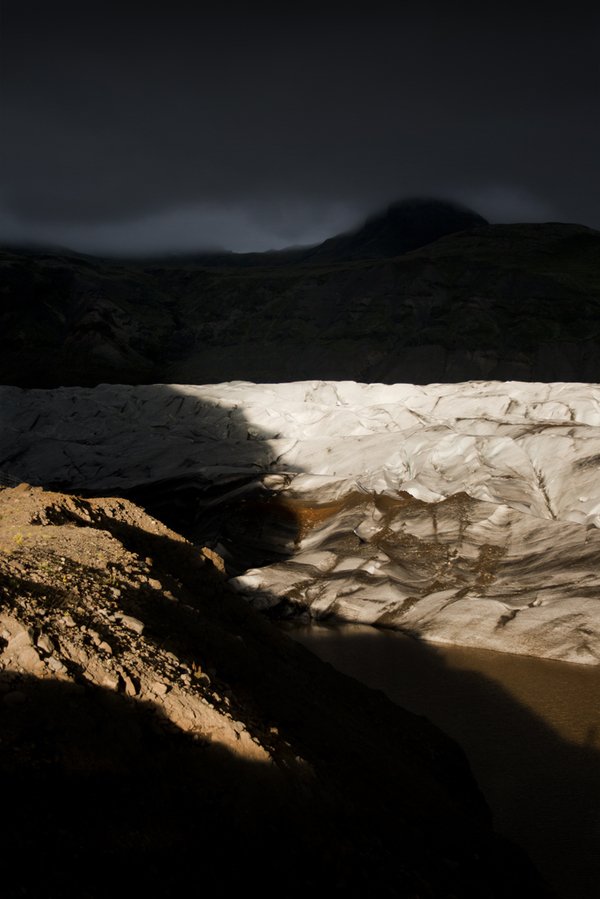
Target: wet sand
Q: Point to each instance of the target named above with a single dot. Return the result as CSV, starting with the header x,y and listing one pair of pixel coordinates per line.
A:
x,y
530,728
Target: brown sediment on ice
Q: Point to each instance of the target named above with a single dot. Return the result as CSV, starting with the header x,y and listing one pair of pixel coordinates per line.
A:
x,y
461,571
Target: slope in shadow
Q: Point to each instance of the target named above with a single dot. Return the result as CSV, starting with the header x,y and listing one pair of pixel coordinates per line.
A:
x,y
105,795
544,790
361,797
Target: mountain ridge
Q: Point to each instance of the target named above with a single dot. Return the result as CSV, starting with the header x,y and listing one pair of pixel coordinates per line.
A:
x,y
518,302
401,226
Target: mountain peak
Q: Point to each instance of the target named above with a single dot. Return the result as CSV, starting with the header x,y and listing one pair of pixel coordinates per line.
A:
x,y
405,225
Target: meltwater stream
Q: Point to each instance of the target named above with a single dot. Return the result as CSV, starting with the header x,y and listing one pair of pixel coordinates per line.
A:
x,y
530,728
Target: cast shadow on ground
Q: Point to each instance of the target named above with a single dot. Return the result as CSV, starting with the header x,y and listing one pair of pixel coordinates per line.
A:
x,y
102,796
105,790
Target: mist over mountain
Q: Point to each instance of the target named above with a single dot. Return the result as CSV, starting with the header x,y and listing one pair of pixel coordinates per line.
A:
x,y
402,227
405,225
426,291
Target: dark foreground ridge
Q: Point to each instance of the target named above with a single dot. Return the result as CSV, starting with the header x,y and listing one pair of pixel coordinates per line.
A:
x,y
425,292
159,735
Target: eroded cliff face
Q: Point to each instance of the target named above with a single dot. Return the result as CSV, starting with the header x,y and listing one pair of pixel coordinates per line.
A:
x,y
160,735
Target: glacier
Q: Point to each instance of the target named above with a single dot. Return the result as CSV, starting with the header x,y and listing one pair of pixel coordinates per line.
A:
x,y
461,513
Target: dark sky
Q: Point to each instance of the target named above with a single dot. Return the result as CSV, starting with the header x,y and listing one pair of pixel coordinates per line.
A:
x,y
144,125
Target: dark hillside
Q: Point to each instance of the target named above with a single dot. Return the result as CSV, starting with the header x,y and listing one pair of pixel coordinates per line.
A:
x,y
493,302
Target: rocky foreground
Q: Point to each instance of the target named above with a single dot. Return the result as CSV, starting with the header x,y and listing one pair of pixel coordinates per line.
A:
x,y
159,735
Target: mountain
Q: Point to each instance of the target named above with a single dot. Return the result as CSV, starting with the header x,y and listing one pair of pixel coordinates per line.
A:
x,y
490,302
404,226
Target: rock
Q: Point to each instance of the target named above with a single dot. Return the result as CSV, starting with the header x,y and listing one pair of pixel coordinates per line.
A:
x,y
45,643
159,688
56,665
20,637
29,658
68,620
133,624
20,650
214,558
110,681
130,687
105,647
80,656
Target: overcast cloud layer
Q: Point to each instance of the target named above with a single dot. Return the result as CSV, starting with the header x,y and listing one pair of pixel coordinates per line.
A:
x,y
143,127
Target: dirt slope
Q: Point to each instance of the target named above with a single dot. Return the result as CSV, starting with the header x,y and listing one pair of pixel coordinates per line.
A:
x,y
159,735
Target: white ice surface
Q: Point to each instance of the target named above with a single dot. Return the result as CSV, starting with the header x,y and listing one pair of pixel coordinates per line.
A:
x,y
527,456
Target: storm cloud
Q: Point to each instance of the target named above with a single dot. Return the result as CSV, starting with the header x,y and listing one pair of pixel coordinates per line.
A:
x,y
141,127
